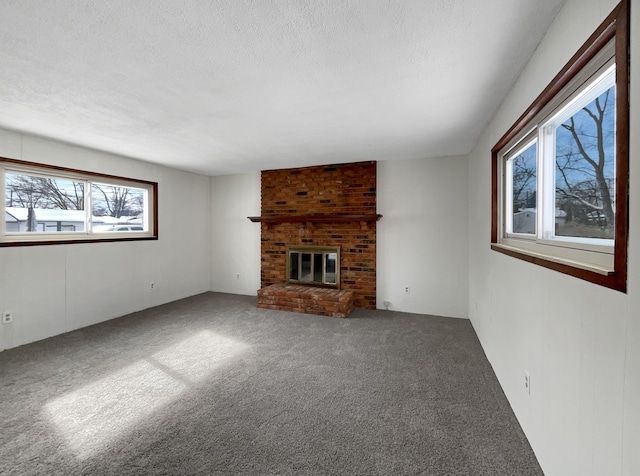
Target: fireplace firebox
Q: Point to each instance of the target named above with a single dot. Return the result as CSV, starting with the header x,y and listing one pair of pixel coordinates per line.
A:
x,y
313,265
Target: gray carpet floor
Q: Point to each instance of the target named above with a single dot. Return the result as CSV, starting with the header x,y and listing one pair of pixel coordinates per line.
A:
x,y
213,385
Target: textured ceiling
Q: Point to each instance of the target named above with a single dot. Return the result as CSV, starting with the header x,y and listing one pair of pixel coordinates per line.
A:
x,y
230,86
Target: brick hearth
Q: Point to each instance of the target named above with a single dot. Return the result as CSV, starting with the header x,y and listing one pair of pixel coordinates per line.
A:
x,y
307,299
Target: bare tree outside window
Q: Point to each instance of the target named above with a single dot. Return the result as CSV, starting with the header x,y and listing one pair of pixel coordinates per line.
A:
x,y
32,192
524,190
28,191
109,200
48,204
585,170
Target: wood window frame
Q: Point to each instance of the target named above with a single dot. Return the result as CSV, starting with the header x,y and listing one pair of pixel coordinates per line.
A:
x,y
151,234
615,26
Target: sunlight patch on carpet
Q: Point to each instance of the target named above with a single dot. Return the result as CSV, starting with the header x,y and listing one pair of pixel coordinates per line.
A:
x,y
92,418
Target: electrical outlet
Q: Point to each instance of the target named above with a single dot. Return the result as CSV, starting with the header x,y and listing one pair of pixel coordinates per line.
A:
x,y
237,275
152,286
407,290
527,382
7,317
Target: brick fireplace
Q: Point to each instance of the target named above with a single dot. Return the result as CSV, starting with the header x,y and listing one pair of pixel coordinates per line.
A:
x,y
325,206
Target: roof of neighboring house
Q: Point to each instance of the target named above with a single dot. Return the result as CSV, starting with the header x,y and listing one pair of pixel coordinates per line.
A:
x,y
44,214
559,213
9,218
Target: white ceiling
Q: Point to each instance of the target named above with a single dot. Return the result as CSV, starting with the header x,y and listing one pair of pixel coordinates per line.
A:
x,y
231,86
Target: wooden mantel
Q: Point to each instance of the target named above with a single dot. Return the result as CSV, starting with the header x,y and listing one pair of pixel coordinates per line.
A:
x,y
314,218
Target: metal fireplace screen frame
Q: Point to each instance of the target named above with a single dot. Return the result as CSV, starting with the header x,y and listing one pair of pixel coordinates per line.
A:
x,y
313,265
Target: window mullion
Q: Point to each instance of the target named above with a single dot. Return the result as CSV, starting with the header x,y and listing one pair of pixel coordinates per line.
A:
x,y
88,206
147,211
546,217
508,205
324,268
3,208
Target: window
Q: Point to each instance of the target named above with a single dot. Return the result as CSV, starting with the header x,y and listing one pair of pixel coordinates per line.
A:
x,y
313,265
560,174
48,205
521,176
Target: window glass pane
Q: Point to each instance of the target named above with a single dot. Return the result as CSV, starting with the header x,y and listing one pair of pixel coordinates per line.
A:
x,y
43,204
330,268
305,274
117,208
523,193
293,266
317,267
585,171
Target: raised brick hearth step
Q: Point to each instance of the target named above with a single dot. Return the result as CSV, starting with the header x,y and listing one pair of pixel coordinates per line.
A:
x,y
307,299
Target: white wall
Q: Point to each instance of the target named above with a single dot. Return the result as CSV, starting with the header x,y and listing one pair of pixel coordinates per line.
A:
x,y
423,236
580,342
58,288
235,241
